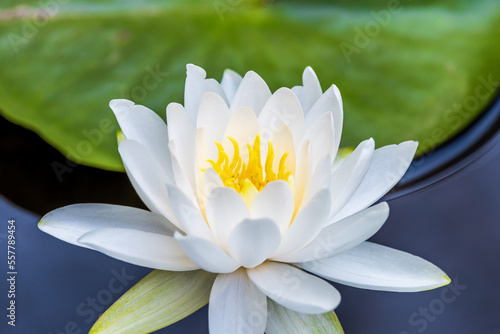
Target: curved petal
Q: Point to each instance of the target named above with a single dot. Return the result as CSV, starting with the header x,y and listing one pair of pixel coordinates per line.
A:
x,y
276,194
196,86
211,180
388,165
306,225
225,209
236,305
282,141
182,132
151,250
349,175
214,116
252,93
283,107
147,177
320,178
188,215
302,176
182,179
202,157
330,101
285,321
294,288
322,138
243,127
144,126
253,240
310,91
208,256
376,267
71,222
342,235
230,83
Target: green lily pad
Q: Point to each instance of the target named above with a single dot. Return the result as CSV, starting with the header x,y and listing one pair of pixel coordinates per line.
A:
x,y
406,70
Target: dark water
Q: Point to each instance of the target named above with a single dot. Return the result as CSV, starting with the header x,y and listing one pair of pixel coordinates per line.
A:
x,y
60,288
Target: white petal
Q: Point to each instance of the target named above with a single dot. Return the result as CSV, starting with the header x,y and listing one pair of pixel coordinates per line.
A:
x,y
348,176
202,157
243,127
320,178
306,225
294,289
71,222
302,175
182,178
225,209
147,177
214,116
149,202
388,165
376,267
282,141
252,93
182,132
253,240
196,86
342,235
283,107
230,83
208,256
211,180
236,305
141,124
310,92
330,101
275,202
188,215
151,250
322,138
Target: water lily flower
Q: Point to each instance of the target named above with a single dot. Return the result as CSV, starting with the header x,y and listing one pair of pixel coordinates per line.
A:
x,y
240,185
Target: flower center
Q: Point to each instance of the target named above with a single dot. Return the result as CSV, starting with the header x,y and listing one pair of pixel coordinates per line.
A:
x,y
249,177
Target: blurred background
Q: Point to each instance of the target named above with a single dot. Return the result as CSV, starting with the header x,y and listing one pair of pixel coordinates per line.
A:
x,y
408,70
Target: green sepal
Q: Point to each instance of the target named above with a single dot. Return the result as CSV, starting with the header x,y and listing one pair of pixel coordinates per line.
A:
x,y
158,300
281,320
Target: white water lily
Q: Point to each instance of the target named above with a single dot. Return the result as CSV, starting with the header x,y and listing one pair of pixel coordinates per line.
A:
x,y
240,184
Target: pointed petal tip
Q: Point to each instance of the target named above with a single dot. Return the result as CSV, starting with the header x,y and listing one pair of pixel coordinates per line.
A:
x,y
370,143
442,281
231,72
252,74
118,105
195,70
408,147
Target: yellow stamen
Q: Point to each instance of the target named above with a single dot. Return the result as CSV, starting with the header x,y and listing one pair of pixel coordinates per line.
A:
x,y
248,178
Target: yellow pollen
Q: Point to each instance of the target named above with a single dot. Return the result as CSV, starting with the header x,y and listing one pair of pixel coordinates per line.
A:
x,y
252,174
